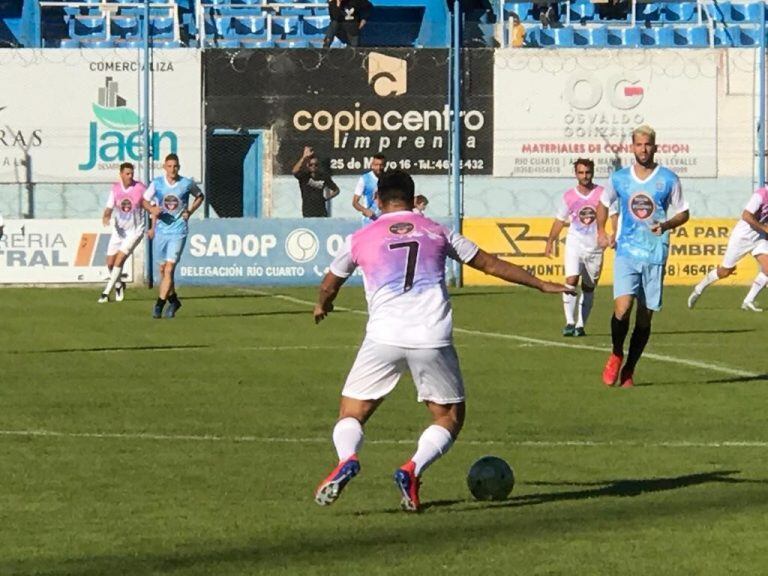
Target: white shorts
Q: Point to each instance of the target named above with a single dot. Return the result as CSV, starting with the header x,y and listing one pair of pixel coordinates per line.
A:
x,y
739,245
585,263
124,242
378,367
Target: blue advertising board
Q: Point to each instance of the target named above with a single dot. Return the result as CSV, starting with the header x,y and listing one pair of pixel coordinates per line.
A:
x,y
257,251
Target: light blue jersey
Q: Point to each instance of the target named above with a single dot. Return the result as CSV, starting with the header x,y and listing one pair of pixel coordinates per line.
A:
x,y
173,198
366,188
643,203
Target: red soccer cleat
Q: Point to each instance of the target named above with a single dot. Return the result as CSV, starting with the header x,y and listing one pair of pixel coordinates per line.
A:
x,y
330,488
626,380
611,370
408,484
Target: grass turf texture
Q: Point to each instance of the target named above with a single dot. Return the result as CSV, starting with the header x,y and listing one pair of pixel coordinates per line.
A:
x,y
252,374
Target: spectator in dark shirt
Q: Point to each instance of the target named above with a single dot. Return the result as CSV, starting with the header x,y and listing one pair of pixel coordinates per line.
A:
x,y
316,187
347,19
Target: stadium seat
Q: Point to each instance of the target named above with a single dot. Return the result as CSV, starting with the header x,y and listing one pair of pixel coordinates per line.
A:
x,y
546,37
256,43
532,36
314,25
69,43
240,10
582,11
295,11
166,44
623,37
648,12
125,27
719,12
87,27
134,44
661,36
678,11
523,9
740,12
161,28
287,26
730,36
697,36
563,37
249,26
221,27
749,36
598,36
228,43
96,43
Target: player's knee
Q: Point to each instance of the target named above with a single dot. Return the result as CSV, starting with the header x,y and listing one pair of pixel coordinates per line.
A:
x,y
724,272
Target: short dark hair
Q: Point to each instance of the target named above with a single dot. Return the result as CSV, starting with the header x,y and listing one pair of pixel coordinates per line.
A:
x,y
126,165
380,156
584,162
396,186
172,156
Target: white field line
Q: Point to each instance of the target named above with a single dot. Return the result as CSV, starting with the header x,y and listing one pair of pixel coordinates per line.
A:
x,y
541,342
318,440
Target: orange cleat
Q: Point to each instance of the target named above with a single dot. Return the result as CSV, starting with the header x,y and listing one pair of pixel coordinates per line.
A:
x,y
611,370
626,380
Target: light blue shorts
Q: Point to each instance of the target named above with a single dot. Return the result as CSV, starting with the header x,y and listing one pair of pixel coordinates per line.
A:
x,y
640,279
168,247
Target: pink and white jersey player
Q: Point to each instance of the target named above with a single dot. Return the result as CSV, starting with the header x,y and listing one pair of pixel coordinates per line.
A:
x,y
580,211
402,256
125,204
749,236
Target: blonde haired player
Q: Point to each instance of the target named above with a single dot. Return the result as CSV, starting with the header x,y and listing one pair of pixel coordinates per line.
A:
x,y
583,257
125,203
749,236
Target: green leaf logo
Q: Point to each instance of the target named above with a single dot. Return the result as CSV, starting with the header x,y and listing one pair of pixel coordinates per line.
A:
x,y
119,118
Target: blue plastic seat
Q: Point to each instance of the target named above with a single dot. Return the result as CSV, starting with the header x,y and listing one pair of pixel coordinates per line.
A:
x,y
523,9
650,11
134,44
664,36
533,36
730,36
249,26
582,10
240,10
546,38
697,36
314,25
630,37
749,36
96,43
161,28
720,11
747,12
228,43
679,11
166,44
87,27
563,37
69,43
287,26
296,11
256,43
125,27
222,27
598,37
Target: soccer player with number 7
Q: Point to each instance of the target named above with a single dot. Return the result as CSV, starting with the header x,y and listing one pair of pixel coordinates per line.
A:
x,y
402,255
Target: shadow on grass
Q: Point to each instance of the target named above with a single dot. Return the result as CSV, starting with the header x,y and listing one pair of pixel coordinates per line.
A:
x,y
148,347
607,488
307,313
739,379
702,331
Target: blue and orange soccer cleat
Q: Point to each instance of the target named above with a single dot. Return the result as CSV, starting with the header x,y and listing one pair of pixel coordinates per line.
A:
x,y
408,484
330,488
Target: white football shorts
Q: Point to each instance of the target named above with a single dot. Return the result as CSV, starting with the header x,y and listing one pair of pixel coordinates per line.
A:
x,y
739,245
378,367
585,263
124,242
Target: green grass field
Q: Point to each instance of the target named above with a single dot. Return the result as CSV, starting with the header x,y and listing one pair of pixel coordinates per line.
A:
x,y
132,446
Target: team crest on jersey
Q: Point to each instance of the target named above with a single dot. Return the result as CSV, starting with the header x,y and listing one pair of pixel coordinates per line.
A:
x,y
171,203
642,206
126,205
401,228
587,215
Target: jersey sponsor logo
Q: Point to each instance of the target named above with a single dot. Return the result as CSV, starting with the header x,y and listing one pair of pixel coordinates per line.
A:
x,y
401,228
126,205
171,202
641,205
587,215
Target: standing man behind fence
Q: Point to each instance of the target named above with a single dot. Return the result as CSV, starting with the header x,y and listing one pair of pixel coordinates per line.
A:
x,y
347,19
316,187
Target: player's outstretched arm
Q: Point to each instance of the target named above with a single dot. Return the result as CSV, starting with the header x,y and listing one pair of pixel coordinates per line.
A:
x,y
329,289
512,273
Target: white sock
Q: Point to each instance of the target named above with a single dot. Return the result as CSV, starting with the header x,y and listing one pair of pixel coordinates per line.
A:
x,y
347,437
708,279
757,284
569,305
114,277
434,442
585,307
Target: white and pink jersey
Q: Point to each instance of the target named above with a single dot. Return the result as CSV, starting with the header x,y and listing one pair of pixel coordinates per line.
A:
x,y
757,205
125,204
402,255
580,211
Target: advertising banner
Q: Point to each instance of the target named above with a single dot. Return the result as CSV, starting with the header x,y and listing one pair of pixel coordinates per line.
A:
x,y
696,248
247,251
351,104
75,115
56,251
552,109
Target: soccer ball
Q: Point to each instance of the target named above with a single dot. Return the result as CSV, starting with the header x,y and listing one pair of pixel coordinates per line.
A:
x,y
490,478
